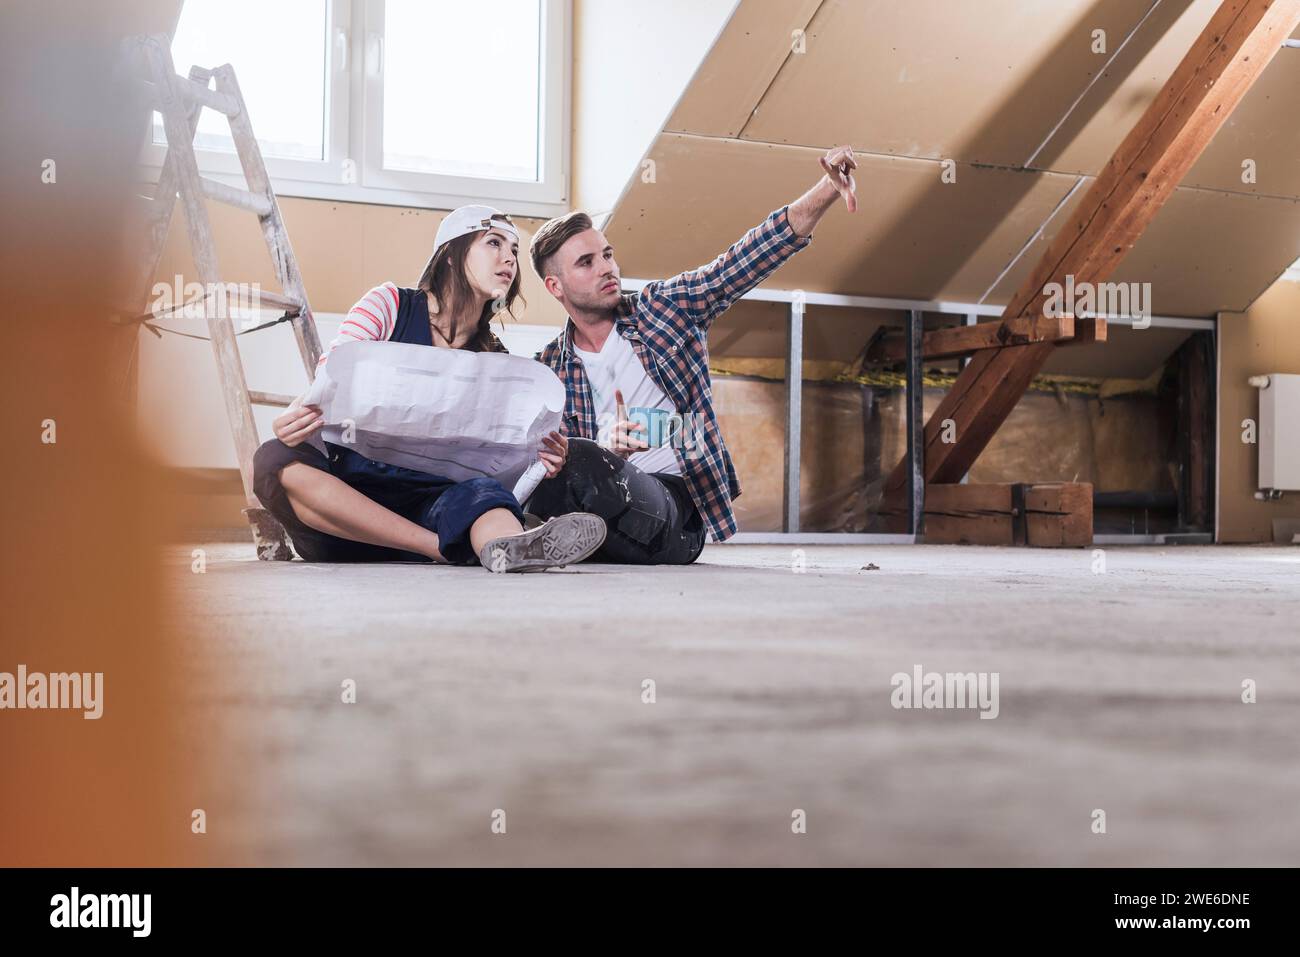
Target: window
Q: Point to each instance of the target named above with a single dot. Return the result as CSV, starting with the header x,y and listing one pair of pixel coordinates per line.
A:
x,y
482,91
431,103
289,105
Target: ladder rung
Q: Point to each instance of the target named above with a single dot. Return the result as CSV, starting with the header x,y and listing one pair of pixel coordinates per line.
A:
x,y
270,398
235,197
193,92
278,301
198,93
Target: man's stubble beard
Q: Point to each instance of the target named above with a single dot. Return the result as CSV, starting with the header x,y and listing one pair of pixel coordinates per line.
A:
x,y
597,303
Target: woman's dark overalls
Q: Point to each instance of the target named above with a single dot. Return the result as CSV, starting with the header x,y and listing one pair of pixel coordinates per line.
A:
x,y
431,501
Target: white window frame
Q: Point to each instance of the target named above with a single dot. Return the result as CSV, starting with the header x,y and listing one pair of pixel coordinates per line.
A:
x,y
354,111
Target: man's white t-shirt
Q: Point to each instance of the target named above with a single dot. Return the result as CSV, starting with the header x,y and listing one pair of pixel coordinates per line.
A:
x,y
616,366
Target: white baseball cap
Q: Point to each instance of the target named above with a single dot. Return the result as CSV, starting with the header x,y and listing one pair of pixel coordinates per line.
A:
x,y
471,219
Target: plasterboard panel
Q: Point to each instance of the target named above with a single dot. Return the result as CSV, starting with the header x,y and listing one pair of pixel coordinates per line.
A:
x,y
759,329
982,82
1115,103
743,61
343,250
1264,340
1127,353
913,236
752,329
1205,252
1263,127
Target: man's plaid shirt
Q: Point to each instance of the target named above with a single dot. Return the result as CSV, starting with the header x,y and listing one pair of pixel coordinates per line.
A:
x,y
667,325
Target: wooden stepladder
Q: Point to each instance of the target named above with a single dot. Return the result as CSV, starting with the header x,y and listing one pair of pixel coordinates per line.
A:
x,y
180,101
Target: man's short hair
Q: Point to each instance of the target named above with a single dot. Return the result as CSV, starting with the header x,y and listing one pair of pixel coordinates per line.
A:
x,y
554,234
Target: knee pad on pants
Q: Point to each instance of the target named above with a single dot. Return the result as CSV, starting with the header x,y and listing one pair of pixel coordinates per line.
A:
x,y
607,485
594,478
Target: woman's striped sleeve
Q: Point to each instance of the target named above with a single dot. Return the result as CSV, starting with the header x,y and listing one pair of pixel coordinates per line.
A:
x,y
372,319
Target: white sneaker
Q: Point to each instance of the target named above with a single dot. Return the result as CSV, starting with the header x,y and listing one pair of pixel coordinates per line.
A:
x,y
563,540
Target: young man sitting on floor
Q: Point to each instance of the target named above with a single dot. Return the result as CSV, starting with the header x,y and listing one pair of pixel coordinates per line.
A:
x,y
651,348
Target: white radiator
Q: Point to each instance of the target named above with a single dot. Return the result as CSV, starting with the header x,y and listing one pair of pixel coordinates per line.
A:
x,y
1279,433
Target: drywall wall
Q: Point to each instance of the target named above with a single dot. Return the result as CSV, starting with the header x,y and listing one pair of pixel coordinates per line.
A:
x,y
1127,353
913,236
760,330
343,249
973,239
935,79
1057,89
1264,339
1256,130
1026,113
758,39
1206,251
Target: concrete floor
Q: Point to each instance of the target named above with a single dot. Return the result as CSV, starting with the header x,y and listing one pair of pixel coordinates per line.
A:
x,y
1118,691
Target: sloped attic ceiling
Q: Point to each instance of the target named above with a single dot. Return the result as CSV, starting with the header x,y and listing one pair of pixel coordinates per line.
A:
x,y
1013,92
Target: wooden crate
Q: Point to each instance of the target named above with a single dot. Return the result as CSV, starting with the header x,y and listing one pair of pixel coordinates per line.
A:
x,y
1057,515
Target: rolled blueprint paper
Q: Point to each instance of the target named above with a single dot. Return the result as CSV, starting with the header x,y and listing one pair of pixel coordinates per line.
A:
x,y
447,412
529,481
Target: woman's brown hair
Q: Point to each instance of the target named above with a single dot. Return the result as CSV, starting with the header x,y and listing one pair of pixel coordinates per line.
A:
x,y
444,277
